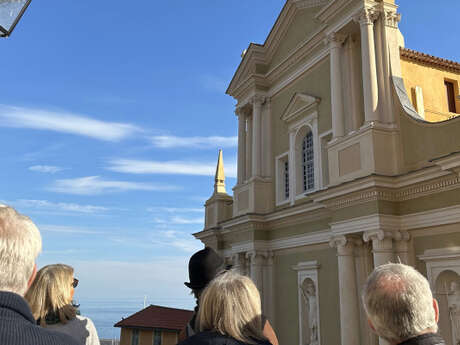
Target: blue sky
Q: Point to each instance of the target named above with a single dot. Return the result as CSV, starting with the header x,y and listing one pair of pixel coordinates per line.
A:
x,y
111,118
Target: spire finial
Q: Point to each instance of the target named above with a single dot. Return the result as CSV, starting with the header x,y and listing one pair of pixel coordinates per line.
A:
x,y
219,184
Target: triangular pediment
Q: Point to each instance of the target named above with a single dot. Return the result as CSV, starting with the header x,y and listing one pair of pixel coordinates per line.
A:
x,y
299,104
288,32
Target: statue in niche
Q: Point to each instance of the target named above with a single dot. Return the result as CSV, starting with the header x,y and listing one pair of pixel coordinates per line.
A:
x,y
308,292
454,310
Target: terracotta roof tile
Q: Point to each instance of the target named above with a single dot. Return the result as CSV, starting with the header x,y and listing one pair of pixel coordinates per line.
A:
x,y
414,55
155,316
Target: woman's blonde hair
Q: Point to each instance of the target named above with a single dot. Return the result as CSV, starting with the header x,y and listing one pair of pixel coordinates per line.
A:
x,y
50,294
230,305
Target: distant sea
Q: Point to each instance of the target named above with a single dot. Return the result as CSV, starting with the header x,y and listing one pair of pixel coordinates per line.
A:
x,y
107,312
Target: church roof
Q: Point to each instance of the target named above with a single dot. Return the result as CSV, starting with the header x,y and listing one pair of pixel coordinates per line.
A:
x,y
155,316
431,60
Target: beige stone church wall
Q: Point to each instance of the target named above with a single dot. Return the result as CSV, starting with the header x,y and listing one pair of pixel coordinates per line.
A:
x,y
316,82
424,141
302,27
286,293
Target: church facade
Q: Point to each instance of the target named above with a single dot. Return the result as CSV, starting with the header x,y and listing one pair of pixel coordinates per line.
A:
x,y
348,158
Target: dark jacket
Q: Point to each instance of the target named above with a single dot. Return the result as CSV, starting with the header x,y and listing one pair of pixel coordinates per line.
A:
x,y
425,339
17,325
214,338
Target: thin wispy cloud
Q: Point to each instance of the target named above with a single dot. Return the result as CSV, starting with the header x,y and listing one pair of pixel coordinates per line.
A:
x,y
65,122
178,220
69,229
92,185
172,167
212,142
175,210
183,220
57,206
46,169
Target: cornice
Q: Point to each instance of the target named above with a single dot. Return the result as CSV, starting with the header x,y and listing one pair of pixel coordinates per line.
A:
x,y
314,41
334,8
430,60
263,54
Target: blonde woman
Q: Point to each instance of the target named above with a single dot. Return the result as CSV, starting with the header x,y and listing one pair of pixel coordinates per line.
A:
x,y
229,313
50,299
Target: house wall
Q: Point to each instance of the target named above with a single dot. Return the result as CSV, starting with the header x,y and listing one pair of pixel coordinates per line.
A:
x,y
125,336
431,80
169,338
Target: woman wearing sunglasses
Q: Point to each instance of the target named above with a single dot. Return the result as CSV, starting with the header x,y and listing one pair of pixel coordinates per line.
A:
x,y
50,298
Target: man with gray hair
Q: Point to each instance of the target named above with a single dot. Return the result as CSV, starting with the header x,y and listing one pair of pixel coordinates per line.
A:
x,y
20,244
400,306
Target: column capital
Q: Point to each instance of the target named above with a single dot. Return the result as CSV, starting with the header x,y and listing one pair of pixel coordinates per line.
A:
x,y
258,100
379,234
335,40
256,256
240,111
345,244
391,18
366,16
401,235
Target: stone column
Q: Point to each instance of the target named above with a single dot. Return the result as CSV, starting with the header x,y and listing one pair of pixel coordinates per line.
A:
x,y
402,246
335,45
349,312
241,145
382,246
256,260
249,129
239,263
382,250
370,89
268,302
354,83
256,134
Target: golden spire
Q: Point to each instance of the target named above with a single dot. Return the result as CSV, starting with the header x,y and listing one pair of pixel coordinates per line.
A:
x,y
219,184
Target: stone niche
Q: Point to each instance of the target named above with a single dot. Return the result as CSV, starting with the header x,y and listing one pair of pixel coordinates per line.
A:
x,y
443,271
309,321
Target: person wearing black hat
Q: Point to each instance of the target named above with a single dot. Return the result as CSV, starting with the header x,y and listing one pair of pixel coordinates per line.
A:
x,y
203,267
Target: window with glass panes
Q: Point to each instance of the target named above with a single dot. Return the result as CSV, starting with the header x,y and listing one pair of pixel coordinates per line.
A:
x,y
286,180
307,162
135,337
157,337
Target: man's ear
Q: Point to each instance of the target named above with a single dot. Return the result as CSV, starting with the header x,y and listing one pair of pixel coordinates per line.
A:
x,y
371,325
32,277
436,310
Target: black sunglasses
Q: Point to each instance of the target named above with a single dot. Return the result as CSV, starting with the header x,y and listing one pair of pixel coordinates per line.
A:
x,y
75,283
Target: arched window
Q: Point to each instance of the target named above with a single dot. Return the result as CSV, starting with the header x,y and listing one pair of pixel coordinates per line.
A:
x,y
308,168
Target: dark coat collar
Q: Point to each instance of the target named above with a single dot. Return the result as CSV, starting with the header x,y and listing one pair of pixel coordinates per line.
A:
x,y
12,303
425,339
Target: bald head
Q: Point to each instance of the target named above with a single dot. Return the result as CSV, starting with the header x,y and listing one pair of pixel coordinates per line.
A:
x,y
399,303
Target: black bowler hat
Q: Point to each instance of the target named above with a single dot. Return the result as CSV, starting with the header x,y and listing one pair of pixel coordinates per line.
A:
x,y
203,267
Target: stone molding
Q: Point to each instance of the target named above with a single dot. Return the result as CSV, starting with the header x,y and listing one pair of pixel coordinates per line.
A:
x,y
302,4
375,193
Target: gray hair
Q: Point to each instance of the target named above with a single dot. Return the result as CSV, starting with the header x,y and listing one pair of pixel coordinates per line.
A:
x,y
398,302
20,244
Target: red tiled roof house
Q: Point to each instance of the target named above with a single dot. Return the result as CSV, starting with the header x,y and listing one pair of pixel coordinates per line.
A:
x,y
154,325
